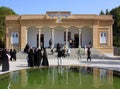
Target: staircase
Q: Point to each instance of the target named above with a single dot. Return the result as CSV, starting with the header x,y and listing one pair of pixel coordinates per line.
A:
x,y
95,54
21,55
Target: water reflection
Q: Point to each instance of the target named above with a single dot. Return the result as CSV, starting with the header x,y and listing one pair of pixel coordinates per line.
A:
x,y
61,77
14,76
102,78
24,78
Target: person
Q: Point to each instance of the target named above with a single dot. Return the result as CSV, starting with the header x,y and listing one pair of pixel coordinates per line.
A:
x,y
31,58
88,54
35,56
14,54
68,52
26,48
52,51
58,47
90,45
45,58
38,57
42,47
64,51
50,43
59,57
5,60
70,43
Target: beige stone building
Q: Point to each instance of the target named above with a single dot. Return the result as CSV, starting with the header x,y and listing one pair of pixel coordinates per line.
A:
x,y
61,27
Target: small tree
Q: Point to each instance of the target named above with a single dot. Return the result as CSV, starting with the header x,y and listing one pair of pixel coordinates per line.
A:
x,y
107,12
101,12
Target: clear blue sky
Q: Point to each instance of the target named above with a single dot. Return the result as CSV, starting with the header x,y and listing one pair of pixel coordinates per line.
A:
x,y
75,6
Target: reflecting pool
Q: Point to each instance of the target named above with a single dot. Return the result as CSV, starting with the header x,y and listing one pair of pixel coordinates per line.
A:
x,y
61,77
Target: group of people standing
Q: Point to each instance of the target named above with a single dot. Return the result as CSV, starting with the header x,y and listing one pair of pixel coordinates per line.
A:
x,y
62,52
65,50
12,55
37,57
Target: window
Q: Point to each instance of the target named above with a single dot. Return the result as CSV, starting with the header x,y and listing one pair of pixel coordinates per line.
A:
x,y
103,37
14,38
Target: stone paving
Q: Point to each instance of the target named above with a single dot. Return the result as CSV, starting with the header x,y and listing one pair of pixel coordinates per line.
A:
x,y
113,63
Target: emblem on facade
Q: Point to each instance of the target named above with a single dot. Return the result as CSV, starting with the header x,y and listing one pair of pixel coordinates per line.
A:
x,y
59,15
59,18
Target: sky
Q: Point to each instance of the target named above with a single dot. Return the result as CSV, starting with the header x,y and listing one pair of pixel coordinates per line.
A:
x,y
75,6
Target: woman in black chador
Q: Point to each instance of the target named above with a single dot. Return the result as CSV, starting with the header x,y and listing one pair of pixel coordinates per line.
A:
x,y
88,54
14,54
38,57
45,58
26,48
31,58
35,57
5,60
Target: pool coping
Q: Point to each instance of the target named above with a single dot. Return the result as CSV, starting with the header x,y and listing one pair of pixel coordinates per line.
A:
x,y
98,63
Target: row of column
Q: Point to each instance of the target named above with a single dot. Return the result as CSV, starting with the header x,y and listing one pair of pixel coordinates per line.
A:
x,y
52,33
39,45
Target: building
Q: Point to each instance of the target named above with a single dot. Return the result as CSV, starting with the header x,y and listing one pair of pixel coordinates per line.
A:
x,y
61,27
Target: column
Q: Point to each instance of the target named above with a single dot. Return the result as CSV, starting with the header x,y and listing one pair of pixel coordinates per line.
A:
x,y
22,37
52,37
39,34
26,31
66,37
8,38
94,36
111,34
80,38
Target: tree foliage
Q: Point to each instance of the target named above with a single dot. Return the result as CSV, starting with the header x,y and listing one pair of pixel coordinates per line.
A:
x,y
101,12
116,26
104,13
3,12
107,12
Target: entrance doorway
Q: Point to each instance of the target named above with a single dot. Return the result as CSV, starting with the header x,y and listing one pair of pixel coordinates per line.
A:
x,y
76,40
41,40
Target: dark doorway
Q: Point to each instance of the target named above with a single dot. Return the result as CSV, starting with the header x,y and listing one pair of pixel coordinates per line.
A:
x,y
76,40
41,40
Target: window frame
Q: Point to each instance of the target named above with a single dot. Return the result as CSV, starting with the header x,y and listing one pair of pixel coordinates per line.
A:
x,y
14,38
103,38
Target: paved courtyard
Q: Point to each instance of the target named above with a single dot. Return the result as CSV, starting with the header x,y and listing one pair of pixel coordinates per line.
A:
x,y
113,64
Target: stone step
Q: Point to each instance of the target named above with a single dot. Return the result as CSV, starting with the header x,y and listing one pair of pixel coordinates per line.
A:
x,y
94,54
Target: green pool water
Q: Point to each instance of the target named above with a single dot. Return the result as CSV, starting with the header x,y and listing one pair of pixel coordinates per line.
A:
x,y
61,77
